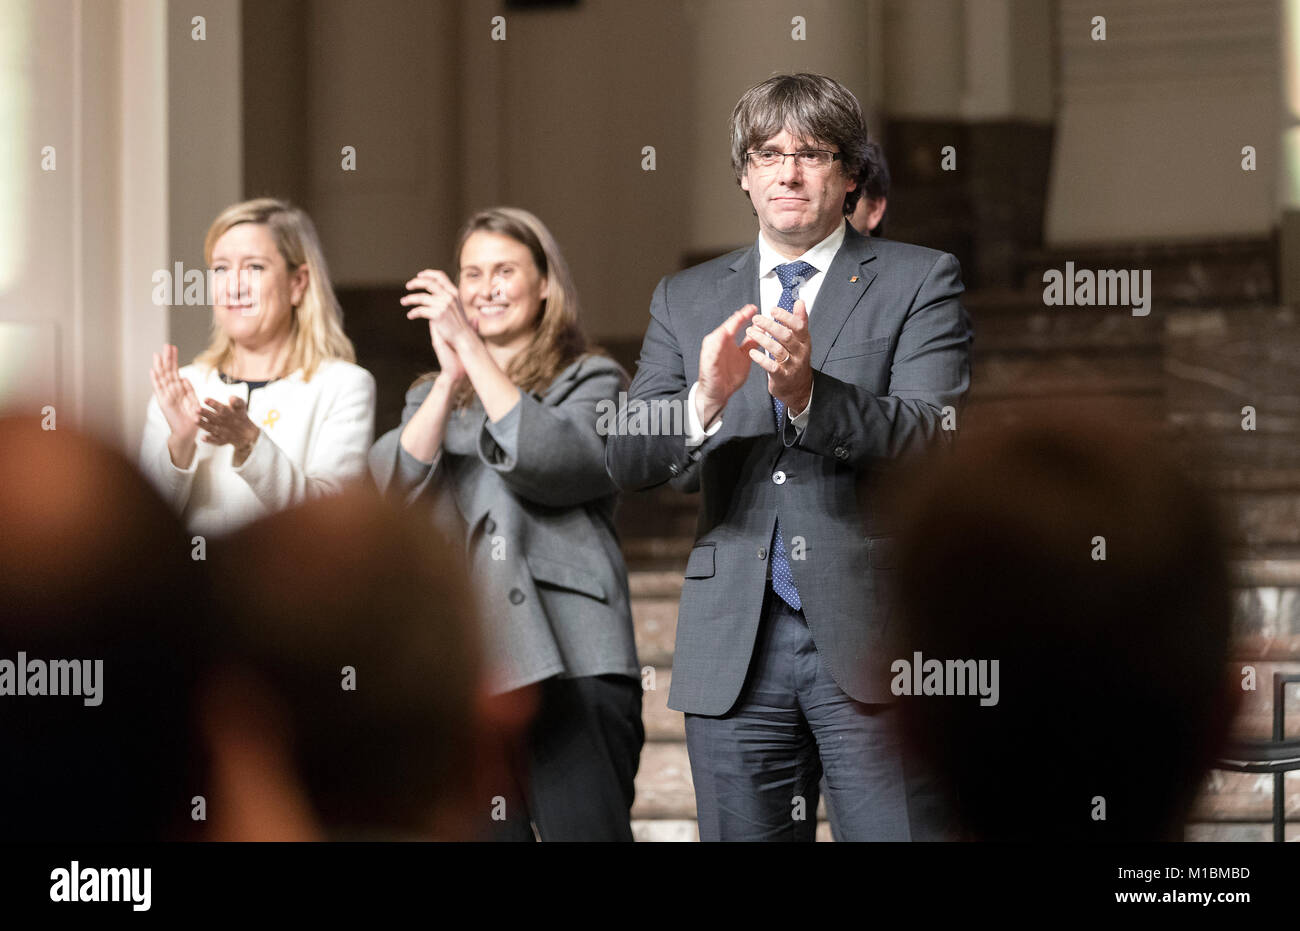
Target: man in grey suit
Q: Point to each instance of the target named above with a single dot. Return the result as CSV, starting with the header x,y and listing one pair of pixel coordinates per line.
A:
x,y
858,362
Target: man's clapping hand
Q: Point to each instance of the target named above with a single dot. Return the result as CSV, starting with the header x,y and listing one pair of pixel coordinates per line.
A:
x,y
724,364
788,356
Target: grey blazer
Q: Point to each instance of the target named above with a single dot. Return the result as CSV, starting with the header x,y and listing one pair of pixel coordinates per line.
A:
x,y
531,499
890,349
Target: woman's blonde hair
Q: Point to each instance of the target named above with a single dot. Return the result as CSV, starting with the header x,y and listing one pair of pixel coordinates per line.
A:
x,y
557,337
317,321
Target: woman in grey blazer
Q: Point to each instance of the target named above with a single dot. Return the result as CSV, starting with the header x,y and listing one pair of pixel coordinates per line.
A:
x,y
502,444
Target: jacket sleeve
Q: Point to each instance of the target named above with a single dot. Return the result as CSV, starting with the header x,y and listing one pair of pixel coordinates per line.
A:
x,y
554,453
337,451
172,483
396,473
931,371
639,461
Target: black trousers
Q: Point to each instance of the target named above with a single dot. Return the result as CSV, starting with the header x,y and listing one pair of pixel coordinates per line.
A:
x,y
574,774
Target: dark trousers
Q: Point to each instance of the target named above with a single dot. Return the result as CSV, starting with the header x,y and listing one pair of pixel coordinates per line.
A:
x,y
574,774
756,769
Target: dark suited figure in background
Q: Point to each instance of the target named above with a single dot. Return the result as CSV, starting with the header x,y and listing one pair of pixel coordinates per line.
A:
x,y
868,216
1115,691
790,417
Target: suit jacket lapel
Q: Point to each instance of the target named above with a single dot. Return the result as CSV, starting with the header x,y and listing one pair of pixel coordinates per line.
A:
x,y
836,300
754,412
839,294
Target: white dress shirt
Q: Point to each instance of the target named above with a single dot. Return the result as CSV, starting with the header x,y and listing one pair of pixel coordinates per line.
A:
x,y
769,295
313,436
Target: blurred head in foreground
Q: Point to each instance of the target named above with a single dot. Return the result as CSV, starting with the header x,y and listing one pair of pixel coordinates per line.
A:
x,y
346,702
1113,693
101,616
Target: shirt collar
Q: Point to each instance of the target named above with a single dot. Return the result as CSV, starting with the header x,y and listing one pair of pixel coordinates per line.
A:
x,y
819,256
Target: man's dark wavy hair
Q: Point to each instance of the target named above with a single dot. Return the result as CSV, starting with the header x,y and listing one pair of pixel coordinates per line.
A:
x,y
808,105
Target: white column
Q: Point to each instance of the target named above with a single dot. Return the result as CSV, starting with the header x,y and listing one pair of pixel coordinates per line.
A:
x,y
143,204
82,240
1288,166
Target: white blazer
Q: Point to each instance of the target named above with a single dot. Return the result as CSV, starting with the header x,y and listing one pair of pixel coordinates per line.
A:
x,y
314,437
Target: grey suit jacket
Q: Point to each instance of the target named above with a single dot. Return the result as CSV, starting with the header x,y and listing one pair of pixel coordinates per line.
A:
x,y
890,349
531,499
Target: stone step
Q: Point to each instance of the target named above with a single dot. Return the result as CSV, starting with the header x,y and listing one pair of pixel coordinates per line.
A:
x,y
1250,832
671,830
655,552
654,623
657,583
1280,571
1010,322
1230,796
661,722
663,784
685,830
1213,273
1263,518
1036,376
1006,408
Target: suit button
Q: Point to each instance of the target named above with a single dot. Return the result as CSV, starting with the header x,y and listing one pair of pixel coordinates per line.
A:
x,y
490,526
762,552
841,452
516,596
778,477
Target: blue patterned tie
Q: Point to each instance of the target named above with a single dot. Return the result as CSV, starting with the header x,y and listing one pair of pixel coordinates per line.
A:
x,y
791,275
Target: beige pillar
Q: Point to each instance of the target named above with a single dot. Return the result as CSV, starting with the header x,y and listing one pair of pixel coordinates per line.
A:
x,y
1154,118
738,43
1007,71
382,80
925,61
567,139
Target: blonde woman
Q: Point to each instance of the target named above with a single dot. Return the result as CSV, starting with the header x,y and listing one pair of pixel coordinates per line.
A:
x,y
274,410
504,443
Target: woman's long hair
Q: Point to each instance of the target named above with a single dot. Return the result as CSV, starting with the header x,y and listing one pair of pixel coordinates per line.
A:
x,y
557,339
317,321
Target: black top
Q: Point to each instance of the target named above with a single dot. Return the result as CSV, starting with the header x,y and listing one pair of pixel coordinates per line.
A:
x,y
252,385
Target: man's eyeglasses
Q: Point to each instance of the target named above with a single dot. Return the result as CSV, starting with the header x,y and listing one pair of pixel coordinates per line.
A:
x,y
812,159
